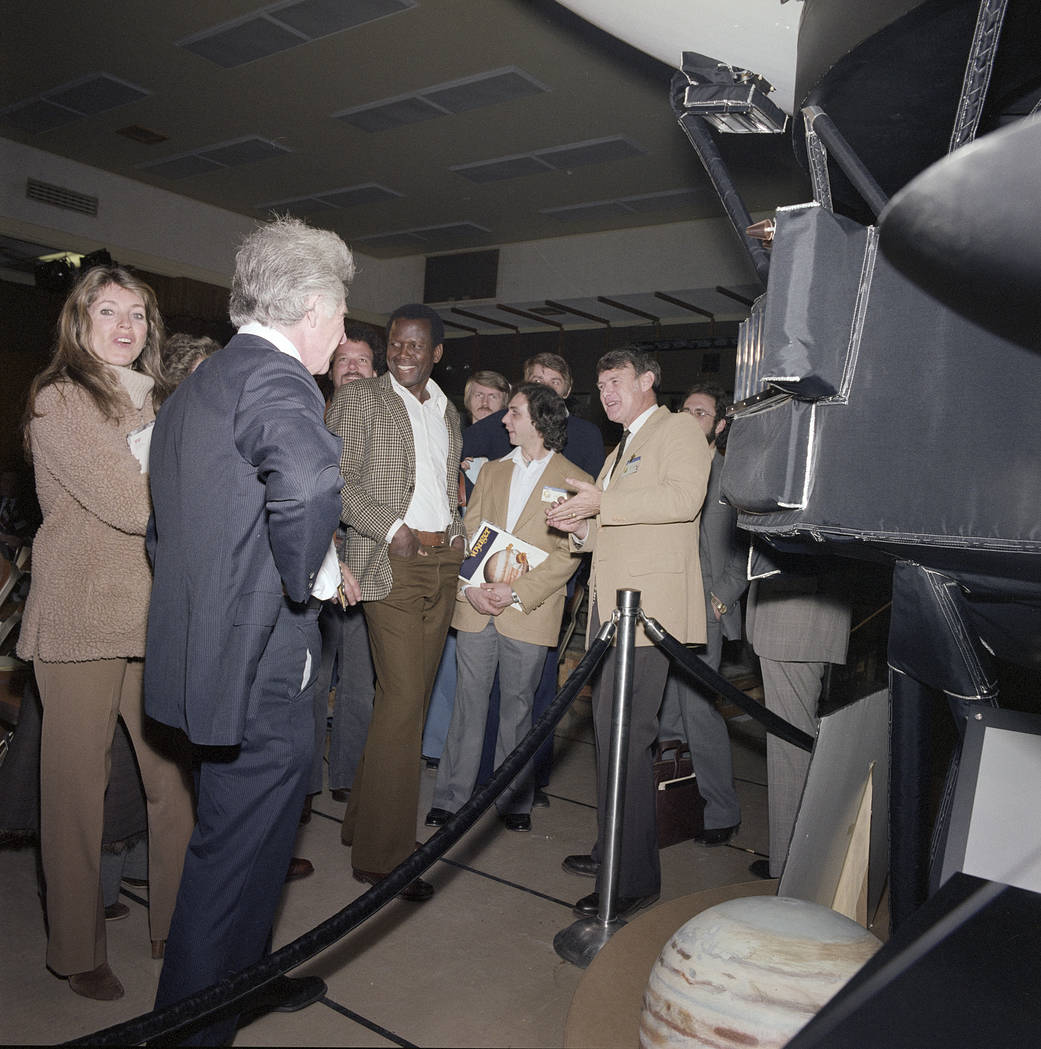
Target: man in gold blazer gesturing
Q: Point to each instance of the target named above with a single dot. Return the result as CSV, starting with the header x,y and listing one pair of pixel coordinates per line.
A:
x,y
640,521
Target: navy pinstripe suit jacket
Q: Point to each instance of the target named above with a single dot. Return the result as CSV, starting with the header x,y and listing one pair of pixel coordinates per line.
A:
x,y
246,493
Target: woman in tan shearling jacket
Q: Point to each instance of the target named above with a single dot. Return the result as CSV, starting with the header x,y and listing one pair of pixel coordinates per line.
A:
x,y
88,419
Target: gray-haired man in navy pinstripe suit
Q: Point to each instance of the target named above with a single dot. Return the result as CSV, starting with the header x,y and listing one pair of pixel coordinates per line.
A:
x,y
246,493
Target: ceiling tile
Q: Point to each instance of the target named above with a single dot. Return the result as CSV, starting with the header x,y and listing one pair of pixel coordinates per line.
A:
x,y
598,211
318,18
355,195
244,151
181,167
596,151
381,116
244,42
488,89
497,170
673,198
39,115
97,94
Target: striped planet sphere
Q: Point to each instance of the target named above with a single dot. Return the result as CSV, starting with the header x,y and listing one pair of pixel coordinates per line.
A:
x,y
749,973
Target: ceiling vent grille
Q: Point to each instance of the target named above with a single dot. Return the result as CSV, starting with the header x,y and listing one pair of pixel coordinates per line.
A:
x,y
556,158
60,197
438,100
280,26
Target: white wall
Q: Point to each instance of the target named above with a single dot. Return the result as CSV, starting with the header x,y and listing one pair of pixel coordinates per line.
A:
x,y
166,233
160,231
679,255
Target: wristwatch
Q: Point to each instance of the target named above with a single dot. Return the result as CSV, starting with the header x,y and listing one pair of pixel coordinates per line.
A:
x,y
516,599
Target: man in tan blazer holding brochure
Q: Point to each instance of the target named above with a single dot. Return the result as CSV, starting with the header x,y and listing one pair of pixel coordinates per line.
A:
x,y
640,521
510,621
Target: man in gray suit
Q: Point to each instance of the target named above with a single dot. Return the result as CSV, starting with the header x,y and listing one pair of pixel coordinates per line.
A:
x,y
687,712
798,622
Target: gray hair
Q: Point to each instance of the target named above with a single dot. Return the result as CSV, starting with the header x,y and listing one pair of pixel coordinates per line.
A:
x,y
281,266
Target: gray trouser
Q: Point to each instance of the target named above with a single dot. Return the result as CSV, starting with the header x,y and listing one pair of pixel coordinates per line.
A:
x,y
344,642
688,714
520,667
792,691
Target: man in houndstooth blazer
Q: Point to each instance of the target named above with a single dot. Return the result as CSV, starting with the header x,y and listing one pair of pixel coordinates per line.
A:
x,y
405,541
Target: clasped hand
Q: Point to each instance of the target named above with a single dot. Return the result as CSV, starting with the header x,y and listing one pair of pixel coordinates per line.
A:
x,y
490,599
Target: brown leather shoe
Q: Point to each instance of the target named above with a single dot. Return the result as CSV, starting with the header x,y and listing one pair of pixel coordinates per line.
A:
x,y
417,890
299,868
99,983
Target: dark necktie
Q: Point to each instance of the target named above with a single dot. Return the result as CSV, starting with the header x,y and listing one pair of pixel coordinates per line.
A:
x,y
618,454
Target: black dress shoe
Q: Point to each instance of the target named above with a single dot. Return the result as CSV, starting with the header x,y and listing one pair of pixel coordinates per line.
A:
x,y
115,911
760,868
625,906
285,994
417,890
340,794
582,864
295,992
540,800
717,835
437,817
518,821
299,868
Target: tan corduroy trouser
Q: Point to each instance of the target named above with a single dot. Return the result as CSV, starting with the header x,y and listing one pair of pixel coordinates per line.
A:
x,y
81,702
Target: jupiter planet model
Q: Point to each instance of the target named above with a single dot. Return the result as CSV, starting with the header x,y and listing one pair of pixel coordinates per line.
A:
x,y
749,972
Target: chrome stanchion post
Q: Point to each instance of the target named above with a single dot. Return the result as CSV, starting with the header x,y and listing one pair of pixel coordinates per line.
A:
x,y
581,941
617,762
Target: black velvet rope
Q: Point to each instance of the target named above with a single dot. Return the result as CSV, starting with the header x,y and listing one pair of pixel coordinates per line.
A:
x,y
715,682
238,990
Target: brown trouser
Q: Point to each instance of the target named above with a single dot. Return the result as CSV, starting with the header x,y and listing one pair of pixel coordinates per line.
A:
x,y
407,632
81,702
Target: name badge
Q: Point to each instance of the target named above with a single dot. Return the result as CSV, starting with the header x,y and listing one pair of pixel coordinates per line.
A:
x,y
632,465
551,494
140,442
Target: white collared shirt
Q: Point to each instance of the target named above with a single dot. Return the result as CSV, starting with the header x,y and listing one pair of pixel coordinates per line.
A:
x,y
428,510
328,578
525,477
634,429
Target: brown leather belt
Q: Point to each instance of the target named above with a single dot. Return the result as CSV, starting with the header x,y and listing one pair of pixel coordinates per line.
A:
x,y
430,538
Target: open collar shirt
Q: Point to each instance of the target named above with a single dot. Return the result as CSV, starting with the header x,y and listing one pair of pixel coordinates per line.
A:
x,y
526,476
428,510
